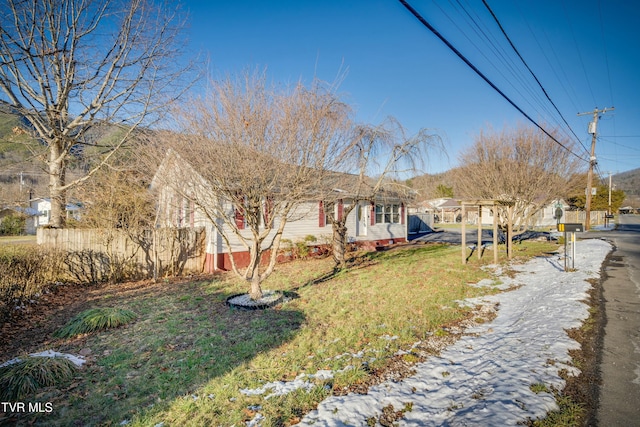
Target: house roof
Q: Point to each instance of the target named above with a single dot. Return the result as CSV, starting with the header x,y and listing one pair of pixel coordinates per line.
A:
x,y
336,184
69,206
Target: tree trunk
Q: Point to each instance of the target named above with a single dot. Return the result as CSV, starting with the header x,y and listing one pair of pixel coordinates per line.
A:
x,y
339,244
253,272
256,290
56,183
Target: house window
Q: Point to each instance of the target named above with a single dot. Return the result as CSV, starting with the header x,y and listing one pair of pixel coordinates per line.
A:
x,y
388,214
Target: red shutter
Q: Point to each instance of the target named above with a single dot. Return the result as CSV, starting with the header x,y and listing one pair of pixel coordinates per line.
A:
x,y
268,207
401,213
373,213
239,215
322,219
340,209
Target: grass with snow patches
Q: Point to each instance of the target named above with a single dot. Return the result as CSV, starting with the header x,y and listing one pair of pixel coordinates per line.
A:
x,y
188,356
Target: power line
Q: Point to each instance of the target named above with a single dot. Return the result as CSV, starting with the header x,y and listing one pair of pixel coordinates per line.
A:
x,y
495,18
482,31
479,73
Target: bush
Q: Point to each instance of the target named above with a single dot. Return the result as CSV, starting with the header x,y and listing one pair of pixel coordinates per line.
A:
x,y
12,225
95,319
25,271
21,379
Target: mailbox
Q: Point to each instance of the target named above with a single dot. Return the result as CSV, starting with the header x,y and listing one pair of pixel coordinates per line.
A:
x,y
569,226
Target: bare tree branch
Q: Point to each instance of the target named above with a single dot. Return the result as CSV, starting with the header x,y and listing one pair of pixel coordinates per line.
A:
x,y
72,66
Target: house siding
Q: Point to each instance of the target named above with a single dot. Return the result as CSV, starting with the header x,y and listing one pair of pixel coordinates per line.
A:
x,y
307,220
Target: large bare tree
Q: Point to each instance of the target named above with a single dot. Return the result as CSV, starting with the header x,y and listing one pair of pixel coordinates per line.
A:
x,y
378,159
521,165
254,153
87,73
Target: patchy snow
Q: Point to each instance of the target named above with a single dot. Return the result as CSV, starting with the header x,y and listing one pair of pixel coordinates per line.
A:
x,y
77,360
284,387
487,377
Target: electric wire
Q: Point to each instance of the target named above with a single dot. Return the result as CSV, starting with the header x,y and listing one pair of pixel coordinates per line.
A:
x,y
495,18
502,54
606,56
485,78
584,69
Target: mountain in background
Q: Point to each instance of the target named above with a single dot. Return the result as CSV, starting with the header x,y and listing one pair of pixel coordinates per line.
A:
x,y
628,181
23,171
22,167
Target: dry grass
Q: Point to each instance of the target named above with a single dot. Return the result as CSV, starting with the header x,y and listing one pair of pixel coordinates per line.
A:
x,y
188,355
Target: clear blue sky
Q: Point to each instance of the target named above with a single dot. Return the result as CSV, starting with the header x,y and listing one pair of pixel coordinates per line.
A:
x,y
586,54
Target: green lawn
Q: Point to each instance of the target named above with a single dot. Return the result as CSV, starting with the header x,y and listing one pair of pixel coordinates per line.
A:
x,y
17,240
187,356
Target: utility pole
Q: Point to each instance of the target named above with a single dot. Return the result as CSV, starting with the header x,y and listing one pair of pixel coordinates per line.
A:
x,y
593,130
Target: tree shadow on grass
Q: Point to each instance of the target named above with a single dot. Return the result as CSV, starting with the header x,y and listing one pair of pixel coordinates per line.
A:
x,y
363,260
184,337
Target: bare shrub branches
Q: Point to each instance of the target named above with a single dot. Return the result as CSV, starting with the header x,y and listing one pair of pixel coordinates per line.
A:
x,y
520,165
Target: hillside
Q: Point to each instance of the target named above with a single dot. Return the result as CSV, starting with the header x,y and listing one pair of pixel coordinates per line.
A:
x,y
22,157
628,181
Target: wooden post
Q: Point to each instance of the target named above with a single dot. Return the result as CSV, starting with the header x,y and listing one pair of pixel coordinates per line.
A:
x,y
495,233
464,237
510,232
479,244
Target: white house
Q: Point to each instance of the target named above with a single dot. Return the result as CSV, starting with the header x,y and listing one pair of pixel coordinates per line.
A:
x,y
547,216
39,212
369,224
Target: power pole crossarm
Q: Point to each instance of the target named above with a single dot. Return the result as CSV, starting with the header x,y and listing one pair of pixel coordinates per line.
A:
x,y
593,130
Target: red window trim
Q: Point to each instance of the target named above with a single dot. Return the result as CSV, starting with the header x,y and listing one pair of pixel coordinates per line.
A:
x,y
322,219
239,215
373,214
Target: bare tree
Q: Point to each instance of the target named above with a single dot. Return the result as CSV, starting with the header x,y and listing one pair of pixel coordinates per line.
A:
x,y
521,165
250,154
87,73
377,158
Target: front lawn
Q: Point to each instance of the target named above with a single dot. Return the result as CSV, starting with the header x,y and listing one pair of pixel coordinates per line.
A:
x,y
188,359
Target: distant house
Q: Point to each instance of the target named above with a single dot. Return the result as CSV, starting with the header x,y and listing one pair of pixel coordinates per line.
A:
x,y
27,213
369,224
628,210
39,213
444,210
547,216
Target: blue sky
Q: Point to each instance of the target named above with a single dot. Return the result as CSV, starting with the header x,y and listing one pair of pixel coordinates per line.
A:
x,y
586,55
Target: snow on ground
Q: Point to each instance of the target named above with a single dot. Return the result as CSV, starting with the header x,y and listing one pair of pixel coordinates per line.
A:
x,y
487,378
77,360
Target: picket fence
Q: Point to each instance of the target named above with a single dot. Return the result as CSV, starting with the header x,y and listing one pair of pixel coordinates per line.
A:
x,y
112,254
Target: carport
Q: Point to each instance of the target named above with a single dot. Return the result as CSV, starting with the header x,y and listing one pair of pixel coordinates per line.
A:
x,y
494,204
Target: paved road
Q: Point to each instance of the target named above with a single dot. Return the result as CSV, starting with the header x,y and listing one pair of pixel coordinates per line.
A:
x,y
620,365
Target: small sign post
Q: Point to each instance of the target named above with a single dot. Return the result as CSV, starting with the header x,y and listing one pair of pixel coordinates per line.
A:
x,y
570,228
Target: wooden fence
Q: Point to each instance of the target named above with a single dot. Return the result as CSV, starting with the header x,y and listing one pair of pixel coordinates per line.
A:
x,y
108,254
596,217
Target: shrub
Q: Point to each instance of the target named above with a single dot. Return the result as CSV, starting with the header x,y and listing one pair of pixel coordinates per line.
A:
x,y
26,271
95,319
22,378
12,225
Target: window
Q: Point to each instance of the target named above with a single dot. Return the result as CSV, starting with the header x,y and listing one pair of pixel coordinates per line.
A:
x,y
388,214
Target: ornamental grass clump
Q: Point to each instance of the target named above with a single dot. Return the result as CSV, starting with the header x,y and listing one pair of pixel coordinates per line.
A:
x,y
95,319
23,377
